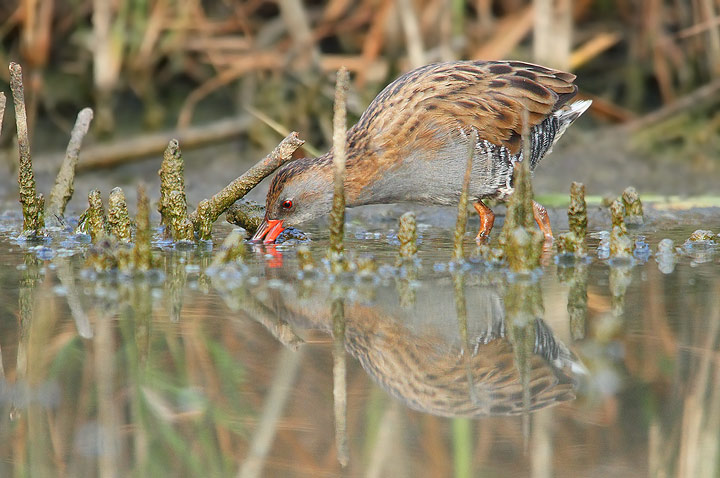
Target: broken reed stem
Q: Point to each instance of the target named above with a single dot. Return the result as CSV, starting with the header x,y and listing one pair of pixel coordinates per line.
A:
x,y
33,204
633,206
219,203
2,109
573,241
62,191
173,203
621,246
521,240
118,216
337,214
461,223
142,256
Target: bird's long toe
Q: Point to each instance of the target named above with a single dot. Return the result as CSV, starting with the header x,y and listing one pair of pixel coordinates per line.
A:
x,y
487,219
542,219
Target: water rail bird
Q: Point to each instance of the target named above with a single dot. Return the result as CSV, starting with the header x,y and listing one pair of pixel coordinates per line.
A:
x,y
412,142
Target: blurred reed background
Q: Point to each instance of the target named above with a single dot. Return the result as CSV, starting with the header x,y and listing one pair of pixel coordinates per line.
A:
x,y
167,57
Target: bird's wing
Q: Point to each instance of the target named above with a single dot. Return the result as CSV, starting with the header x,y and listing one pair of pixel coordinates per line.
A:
x,y
420,107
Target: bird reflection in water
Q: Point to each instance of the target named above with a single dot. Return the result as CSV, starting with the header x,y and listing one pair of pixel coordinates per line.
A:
x,y
499,360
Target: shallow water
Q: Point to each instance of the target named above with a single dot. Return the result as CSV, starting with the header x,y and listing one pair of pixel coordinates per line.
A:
x,y
585,369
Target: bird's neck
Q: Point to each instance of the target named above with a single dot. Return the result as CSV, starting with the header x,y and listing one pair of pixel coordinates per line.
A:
x,y
357,174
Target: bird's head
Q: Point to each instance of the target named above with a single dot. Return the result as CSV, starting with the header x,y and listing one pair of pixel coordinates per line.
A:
x,y
299,192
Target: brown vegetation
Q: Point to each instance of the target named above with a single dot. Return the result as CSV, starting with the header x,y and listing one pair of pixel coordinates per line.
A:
x,y
635,56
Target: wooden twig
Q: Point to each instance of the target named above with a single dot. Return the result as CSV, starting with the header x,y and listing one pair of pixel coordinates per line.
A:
x,y
33,204
697,97
337,214
219,203
109,155
62,191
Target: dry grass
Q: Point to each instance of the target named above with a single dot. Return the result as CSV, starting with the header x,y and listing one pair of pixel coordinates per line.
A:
x,y
634,50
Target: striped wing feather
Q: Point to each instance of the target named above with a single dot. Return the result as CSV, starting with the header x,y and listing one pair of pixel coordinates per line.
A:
x,y
420,107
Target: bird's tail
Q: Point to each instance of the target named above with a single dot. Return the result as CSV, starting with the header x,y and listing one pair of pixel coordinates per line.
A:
x,y
568,114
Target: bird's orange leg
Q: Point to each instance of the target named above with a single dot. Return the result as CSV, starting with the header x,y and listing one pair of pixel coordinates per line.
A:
x,y
542,219
487,219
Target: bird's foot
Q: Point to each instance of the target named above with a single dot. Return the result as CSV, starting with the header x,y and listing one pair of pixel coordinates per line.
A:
x,y
487,219
543,221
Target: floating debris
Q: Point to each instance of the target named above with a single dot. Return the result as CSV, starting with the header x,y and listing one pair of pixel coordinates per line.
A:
x,y
173,203
63,189
621,247
462,216
246,214
573,241
212,208
633,207
33,204
118,216
142,253
666,257
407,235
336,252
232,250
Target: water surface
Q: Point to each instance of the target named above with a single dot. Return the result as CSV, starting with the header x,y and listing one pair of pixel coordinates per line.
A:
x,y
584,369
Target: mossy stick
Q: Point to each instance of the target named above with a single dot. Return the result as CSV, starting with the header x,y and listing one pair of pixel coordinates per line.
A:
x,y
62,191
173,203
633,206
33,204
337,214
142,256
246,214
573,241
407,235
520,239
95,216
118,216
461,223
620,244
219,203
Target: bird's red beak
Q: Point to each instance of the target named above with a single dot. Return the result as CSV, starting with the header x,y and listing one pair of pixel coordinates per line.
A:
x,y
268,231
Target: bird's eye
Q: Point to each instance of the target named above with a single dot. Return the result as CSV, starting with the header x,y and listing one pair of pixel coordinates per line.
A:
x,y
287,204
